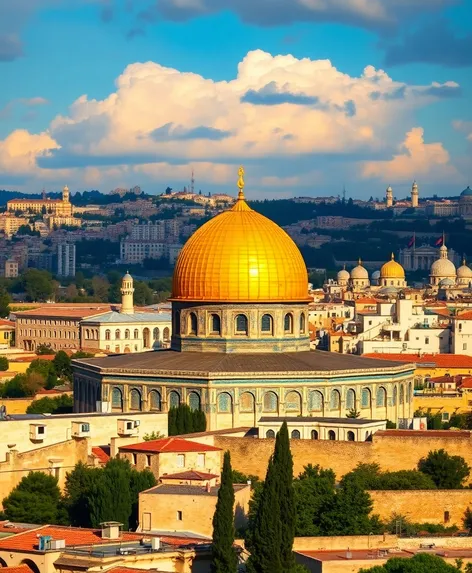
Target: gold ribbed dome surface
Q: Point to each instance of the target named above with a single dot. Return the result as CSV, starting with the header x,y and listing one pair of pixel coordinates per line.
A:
x,y
392,270
240,256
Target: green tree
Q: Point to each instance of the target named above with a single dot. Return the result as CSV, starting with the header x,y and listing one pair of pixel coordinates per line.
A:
x,y
184,420
468,518
446,471
4,303
142,294
264,539
100,288
314,497
353,413
138,482
153,436
44,349
419,563
76,494
283,464
3,363
62,365
37,285
36,499
58,405
224,558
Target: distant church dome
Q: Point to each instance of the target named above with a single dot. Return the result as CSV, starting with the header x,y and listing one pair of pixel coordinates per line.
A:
x,y
375,275
392,269
467,192
464,272
343,276
442,268
359,272
446,282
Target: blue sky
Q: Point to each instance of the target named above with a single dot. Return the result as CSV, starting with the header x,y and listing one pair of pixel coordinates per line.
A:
x,y
298,141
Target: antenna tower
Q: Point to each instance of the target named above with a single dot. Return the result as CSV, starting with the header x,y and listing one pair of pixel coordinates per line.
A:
x,y
192,183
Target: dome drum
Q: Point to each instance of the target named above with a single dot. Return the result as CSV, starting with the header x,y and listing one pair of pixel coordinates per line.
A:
x,y
240,327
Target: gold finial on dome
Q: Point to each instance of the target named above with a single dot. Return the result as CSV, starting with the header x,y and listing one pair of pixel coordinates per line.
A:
x,y
392,257
241,183
359,262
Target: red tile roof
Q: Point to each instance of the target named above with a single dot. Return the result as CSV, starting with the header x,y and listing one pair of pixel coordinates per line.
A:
x,y
47,392
192,475
61,312
101,454
464,316
17,569
466,383
169,445
424,433
73,536
7,323
440,360
48,357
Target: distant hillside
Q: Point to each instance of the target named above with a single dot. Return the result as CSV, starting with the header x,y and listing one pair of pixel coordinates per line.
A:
x,y
8,195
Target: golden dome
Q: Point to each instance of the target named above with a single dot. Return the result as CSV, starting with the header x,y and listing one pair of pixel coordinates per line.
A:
x,y
240,256
392,270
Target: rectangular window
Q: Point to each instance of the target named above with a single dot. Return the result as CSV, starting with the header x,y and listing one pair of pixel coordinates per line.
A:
x,y
201,460
464,346
181,460
445,417
148,460
446,517
135,459
179,516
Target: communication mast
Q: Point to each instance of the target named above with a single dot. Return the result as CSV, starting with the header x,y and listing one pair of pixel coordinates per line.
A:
x,y
192,183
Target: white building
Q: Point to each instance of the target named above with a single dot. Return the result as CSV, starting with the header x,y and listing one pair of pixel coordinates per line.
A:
x,y
66,259
126,331
136,250
399,326
462,334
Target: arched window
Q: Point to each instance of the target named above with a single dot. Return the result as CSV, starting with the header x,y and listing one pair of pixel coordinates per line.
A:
x,y
155,334
241,324
225,403
293,402
215,324
107,334
315,401
127,334
155,401
194,401
267,324
302,323
166,334
350,399
288,323
174,399
314,435
351,437
366,401
246,402
270,402
270,434
331,435
394,396
402,393
381,399
116,399
87,334
135,399
136,333
117,334
192,323
335,400
295,435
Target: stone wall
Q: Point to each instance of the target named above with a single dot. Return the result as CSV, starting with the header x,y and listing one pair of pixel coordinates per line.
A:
x,y
400,450
56,460
445,507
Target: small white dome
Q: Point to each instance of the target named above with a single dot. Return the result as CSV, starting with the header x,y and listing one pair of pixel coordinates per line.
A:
x,y
375,275
344,275
443,268
464,272
359,272
446,282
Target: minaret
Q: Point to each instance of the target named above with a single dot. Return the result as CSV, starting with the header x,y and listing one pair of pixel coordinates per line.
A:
x,y
66,194
43,194
389,196
127,290
414,195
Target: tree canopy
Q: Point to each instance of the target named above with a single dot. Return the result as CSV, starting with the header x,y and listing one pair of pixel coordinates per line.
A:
x,y
419,563
446,471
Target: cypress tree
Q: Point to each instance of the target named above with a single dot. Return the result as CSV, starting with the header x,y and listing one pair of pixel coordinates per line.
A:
x,y
224,558
265,542
283,465
171,421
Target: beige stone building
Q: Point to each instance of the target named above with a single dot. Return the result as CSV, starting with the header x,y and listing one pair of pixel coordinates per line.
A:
x,y
187,508
169,456
10,223
60,207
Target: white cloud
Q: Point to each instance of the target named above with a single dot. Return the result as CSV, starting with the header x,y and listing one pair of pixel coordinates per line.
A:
x,y
416,159
464,127
288,119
